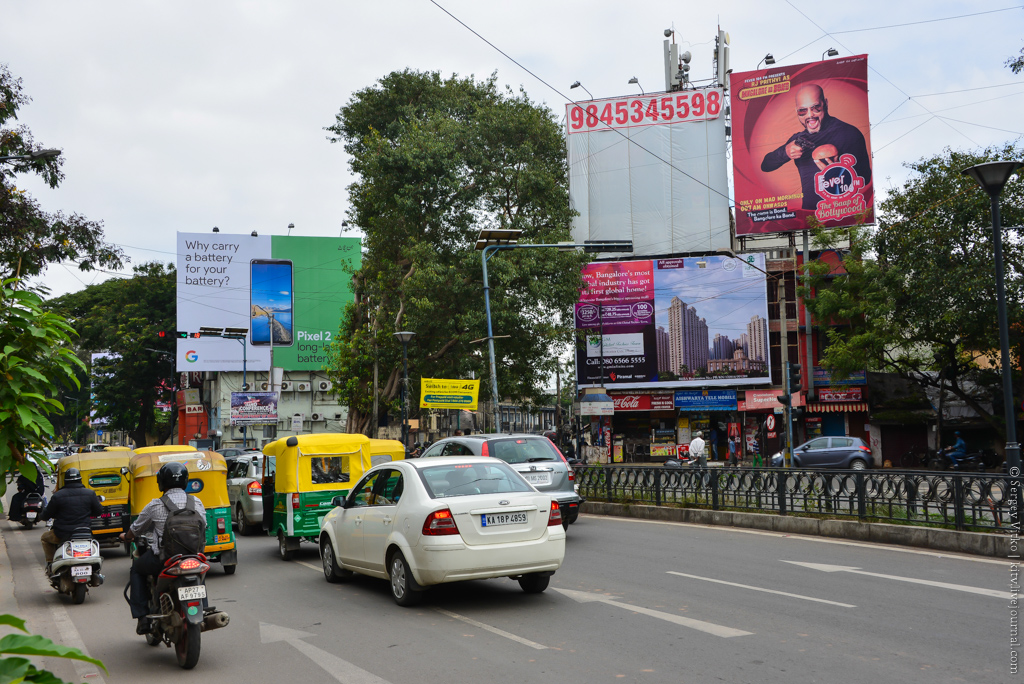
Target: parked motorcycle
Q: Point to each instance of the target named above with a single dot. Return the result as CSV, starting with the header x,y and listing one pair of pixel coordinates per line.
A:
x,y
177,597
31,509
76,565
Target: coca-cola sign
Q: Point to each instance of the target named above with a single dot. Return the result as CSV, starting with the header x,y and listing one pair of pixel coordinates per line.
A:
x,y
633,402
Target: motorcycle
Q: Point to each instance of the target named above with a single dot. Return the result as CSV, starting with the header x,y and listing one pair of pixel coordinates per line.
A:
x,y
76,565
975,461
177,615
31,509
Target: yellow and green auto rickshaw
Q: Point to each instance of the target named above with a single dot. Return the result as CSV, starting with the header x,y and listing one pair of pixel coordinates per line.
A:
x,y
301,475
101,472
207,481
386,451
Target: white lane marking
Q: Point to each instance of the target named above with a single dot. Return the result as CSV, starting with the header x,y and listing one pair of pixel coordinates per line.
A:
x,y
69,635
310,566
492,630
342,670
699,625
806,537
913,580
767,591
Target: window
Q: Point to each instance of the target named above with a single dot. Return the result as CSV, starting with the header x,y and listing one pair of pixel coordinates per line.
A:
x,y
194,486
329,469
389,489
456,449
362,493
522,450
815,444
445,481
841,442
434,450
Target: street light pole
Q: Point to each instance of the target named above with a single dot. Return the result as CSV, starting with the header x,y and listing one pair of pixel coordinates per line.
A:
x,y
404,337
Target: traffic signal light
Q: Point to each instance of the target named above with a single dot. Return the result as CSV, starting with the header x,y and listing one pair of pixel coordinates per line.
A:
x,y
795,381
784,399
161,334
182,334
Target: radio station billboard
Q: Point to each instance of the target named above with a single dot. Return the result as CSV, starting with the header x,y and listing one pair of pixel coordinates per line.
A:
x,y
650,168
686,322
802,146
296,285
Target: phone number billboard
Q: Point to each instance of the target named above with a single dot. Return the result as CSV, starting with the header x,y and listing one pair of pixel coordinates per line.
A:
x,y
286,290
673,323
801,146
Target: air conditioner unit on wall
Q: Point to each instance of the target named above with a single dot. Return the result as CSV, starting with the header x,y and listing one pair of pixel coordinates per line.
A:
x,y
302,387
246,386
317,417
286,386
264,386
324,385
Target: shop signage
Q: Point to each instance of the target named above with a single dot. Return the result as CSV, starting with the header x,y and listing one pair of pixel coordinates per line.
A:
x,y
833,394
643,402
765,400
823,378
705,400
597,405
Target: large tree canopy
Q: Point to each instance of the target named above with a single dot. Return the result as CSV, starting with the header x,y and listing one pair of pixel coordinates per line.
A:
x,y
124,317
31,238
920,291
438,160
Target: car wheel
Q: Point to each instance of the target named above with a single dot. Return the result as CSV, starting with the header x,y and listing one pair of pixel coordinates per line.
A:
x,y
565,524
332,569
282,547
244,526
534,583
403,586
858,464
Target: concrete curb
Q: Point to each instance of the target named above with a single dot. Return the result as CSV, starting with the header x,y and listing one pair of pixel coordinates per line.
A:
x,y
976,543
8,603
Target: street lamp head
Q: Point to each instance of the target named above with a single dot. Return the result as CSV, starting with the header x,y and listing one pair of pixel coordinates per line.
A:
x,y
992,176
216,229
254,234
574,85
404,336
44,154
290,226
831,52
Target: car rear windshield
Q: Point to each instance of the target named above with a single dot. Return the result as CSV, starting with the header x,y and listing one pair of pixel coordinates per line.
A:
x,y
522,449
443,481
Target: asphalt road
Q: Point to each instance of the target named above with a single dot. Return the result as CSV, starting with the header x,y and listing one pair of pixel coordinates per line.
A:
x,y
636,601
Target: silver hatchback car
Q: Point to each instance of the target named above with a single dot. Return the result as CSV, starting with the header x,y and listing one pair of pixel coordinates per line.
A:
x,y
245,491
532,456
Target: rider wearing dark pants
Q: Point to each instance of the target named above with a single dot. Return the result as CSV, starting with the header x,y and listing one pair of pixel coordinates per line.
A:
x,y
957,451
171,479
72,506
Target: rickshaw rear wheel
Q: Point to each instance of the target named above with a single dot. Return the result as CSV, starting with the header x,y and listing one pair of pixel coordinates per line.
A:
x,y
282,547
230,569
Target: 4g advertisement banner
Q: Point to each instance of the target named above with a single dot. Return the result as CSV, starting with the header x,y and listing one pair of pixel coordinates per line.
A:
x,y
449,394
801,146
285,290
673,323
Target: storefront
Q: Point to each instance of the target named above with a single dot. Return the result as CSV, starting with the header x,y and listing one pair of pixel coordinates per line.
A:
x,y
643,426
839,412
763,420
711,412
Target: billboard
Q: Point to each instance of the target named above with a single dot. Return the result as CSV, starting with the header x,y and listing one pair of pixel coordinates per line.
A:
x,y
687,322
801,146
449,394
294,285
651,168
254,408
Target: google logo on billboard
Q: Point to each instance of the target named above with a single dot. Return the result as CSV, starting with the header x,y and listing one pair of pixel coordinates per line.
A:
x,y
191,356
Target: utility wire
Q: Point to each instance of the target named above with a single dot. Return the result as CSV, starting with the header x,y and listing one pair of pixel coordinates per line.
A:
x,y
928,21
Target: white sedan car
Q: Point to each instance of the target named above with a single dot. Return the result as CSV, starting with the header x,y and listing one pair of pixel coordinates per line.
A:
x,y
424,522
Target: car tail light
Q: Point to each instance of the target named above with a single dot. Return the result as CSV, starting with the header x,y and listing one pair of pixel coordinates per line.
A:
x,y
864,448
254,488
484,450
295,500
222,527
440,523
555,516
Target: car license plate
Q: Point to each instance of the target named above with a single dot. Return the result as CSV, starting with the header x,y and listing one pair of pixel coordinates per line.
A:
x,y
538,478
31,515
494,519
81,570
191,593
223,538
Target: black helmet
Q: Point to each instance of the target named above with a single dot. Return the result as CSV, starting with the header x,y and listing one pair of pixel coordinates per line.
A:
x,y
173,475
72,475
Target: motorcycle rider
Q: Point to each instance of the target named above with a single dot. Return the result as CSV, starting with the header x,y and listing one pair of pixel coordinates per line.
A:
x,y
171,480
26,487
71,506
957,451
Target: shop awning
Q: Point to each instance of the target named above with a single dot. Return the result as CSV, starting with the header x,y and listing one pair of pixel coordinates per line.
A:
x,y
838,407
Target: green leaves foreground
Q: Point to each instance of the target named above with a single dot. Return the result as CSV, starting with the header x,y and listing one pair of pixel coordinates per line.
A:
x,y
15,670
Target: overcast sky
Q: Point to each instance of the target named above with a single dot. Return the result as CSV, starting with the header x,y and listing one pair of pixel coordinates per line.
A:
x,y
181,116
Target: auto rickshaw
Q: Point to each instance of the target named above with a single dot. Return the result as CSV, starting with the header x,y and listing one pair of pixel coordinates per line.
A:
x,y
386,451
301,475
207,481
102,473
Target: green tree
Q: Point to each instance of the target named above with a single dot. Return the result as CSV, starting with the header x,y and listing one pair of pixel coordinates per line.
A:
x,y
16,669
438,160
123,318
31,238
919,295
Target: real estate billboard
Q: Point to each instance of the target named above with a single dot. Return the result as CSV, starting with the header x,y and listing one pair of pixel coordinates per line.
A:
x,y
802,146
288,292
686,322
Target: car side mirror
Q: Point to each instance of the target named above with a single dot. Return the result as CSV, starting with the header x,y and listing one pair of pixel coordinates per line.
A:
x,y
338,501
124,470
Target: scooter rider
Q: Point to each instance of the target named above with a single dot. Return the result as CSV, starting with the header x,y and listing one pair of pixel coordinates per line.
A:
x,y
26,487
957,451
71,506
171,479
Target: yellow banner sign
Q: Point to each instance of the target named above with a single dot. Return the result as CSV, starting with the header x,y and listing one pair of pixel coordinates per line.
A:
x,y
449,394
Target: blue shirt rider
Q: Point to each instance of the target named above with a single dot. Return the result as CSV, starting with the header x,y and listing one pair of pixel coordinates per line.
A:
x,y
958,450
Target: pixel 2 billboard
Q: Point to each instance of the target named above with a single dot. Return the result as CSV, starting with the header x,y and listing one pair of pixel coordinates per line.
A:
x,y
288,292
801,146
687,322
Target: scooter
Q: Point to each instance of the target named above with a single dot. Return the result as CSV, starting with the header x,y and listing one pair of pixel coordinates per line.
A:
x,y
969,462
31,509
76,565
177,615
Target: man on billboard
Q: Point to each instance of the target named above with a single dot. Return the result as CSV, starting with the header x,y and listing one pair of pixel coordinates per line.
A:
x,y
823,140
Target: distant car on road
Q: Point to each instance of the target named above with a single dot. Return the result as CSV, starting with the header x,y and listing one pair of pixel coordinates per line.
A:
x,y
850,453
245,491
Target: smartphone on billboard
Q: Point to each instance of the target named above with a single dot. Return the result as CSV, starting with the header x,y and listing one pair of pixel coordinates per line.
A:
x,y
271,299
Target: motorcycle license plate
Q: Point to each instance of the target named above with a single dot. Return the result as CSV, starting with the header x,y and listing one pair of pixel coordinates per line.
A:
x,y
81,570
191,593
31,515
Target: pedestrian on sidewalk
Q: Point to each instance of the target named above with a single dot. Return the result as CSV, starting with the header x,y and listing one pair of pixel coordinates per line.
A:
x,y
697,450
734,456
